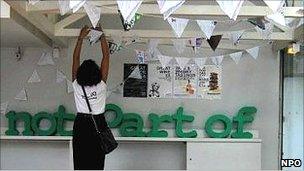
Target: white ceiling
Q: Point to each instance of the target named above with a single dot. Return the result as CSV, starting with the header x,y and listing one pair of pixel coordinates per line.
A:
x,y
13,35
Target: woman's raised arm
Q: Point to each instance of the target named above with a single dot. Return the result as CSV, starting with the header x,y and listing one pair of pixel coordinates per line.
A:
x,y
76,55
105,59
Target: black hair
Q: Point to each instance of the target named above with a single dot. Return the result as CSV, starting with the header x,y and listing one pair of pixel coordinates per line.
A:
x,y
88,74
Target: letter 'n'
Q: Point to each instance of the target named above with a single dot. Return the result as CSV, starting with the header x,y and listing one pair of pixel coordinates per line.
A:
x,y
13,117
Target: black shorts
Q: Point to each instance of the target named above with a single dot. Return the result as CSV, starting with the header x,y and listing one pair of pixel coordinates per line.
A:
x,y
87,152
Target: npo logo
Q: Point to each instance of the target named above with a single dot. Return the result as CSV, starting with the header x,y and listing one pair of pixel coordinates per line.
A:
x,y
291,163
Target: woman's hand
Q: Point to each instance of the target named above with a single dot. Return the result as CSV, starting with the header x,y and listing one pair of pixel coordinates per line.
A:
x,y
84,32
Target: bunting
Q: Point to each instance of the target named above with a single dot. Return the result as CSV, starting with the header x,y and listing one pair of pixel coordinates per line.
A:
x,y
167,7
75,5
254,52
94,36
275,5
34,78
128,25
128,8
236,56
235,36
21,95
217,60
93,12
182,62
230,7
46,59
164,60
214,41
64,6
179,44
200,62
196,43
207,26
266,34
153,43
178,25
153,55
114,47
33,2
277,18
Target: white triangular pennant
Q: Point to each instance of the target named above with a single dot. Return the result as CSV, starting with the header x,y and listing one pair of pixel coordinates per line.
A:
x,y
93,12
60,77
266,34
207,26
277,18
33,2
34,78
236,56
217,60
94,36
235,36
153,55
136,73
254,52
182,62
64,6
178,25
21,95
46,59
231,7
69,85
200,62
75,5
179,44
274,5
153,44
164,60
128,8
167,7
4,107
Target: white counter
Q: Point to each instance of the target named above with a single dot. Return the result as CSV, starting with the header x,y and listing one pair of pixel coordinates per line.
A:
x,y
135,153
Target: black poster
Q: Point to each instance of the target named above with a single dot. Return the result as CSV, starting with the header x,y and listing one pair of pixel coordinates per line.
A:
x,y
135,86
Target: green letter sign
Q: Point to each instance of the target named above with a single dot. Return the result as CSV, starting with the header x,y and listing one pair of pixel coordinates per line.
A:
x,y
180,118
218,118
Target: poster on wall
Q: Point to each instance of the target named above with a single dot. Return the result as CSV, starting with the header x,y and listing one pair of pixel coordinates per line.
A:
x,y
160,81
209,82
185,81
135,86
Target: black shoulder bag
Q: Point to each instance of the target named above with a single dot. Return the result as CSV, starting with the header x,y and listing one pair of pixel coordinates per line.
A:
x,y
107,140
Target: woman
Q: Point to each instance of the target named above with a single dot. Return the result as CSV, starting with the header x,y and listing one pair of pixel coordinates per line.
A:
x,y
87,152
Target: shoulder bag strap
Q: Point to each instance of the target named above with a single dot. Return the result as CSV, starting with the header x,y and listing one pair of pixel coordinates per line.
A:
x,y
89,106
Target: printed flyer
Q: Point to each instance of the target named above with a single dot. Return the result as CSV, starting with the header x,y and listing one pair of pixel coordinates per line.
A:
x,y
135,87
160,81
185,82
209,82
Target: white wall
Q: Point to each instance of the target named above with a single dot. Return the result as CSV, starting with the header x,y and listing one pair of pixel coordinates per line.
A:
x,y
251,82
